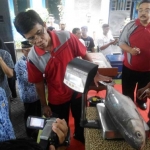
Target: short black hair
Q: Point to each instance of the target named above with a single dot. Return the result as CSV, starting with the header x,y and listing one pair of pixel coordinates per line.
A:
x,y
144,1
74,31
105,25
20,144
25,21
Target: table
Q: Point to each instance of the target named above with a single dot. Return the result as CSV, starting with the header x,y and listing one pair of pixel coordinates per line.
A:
x,y
94,140
104,68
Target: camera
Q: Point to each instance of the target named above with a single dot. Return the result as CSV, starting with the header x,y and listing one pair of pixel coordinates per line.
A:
x,y
48,136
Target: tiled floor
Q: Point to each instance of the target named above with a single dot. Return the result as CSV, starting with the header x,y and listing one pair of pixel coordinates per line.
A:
x,y
17,117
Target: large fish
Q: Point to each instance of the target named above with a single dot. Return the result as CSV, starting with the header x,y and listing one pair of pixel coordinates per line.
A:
x,y
125,117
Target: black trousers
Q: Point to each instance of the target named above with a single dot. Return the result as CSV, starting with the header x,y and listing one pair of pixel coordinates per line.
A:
x,y
131,79
63,113
32,109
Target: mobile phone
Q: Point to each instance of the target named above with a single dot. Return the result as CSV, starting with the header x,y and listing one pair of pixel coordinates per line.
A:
x,y
36,122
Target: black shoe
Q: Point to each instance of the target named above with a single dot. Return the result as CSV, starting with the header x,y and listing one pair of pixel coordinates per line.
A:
x,y
143,106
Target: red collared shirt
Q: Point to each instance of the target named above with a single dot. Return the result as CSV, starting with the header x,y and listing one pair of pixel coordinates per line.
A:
x,y
58,92
140,38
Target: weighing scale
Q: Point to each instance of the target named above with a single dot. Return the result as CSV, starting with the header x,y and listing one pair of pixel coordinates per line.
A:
x,y
79,75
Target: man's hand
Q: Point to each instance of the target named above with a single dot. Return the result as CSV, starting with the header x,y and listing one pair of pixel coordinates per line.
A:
x,y
114,42
8,71
47,111
61,129
135,51
99,77
51,147
146,94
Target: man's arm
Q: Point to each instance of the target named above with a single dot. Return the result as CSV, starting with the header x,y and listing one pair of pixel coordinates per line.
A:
x,y
108,44
8,71
124,39
141,91
129,49
40,88
35,76
87,57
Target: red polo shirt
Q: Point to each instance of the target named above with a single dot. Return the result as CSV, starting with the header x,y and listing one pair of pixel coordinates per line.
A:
x,y
58,92
140,38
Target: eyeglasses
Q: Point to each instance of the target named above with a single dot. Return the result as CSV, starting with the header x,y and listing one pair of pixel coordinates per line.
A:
x,y
39,33
147,11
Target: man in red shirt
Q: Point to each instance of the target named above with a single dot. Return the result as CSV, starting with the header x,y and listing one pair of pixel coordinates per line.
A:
x,y
135,41
49,57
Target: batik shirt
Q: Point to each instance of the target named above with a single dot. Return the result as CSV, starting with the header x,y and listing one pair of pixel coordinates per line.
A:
x,y
3,78
6,129
26,89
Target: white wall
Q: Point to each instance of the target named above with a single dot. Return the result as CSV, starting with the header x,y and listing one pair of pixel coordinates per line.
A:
x,y
76,11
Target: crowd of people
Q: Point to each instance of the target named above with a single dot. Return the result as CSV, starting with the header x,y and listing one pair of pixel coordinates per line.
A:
x,y
46,52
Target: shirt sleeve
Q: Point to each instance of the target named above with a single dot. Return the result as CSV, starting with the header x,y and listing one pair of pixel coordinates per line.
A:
x,y
34,75
78,48
21,71
8,60
124,36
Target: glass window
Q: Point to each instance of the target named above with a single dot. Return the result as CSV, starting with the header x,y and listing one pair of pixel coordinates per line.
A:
x,y
121,4
52,8
20,5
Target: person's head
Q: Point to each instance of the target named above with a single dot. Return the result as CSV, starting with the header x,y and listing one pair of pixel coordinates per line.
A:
x,y
77,32
30,25
26,46
144,11
62,25
84,30
105,28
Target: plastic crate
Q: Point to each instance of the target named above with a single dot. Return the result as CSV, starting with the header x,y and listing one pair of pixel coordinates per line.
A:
x,y
116,61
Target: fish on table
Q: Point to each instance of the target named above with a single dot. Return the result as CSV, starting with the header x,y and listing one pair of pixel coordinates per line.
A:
x,y
125,117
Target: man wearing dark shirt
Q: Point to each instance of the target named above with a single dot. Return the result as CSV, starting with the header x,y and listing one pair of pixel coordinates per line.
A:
x,y
89,42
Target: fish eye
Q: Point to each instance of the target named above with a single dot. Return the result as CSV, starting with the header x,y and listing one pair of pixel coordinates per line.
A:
x,y
138,134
